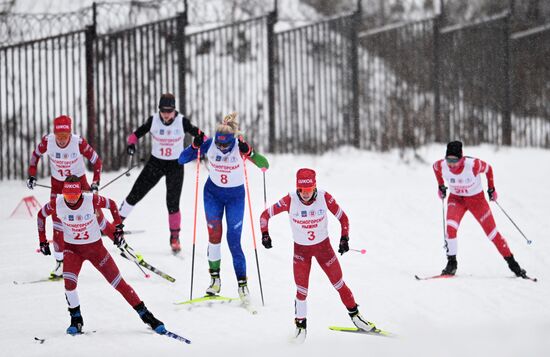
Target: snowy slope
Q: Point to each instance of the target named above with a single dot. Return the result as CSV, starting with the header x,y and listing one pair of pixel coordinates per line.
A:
x,y
394,214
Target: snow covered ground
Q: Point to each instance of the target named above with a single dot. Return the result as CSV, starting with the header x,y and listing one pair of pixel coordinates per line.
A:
x,y
394,214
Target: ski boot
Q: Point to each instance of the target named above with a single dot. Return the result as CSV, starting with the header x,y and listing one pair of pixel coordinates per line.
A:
x,y
148,318
514,266
244,294
359,321
57,272
76,321
215,283
175,243
301,331
452,264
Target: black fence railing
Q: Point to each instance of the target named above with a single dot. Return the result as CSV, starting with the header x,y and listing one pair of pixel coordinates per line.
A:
x,y
530,89
306,89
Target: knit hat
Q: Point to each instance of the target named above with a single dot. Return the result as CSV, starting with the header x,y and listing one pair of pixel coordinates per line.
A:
x,y
167,101
305,178
62,124
454,148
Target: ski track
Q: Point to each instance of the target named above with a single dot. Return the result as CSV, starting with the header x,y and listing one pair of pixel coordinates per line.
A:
x,y
394,214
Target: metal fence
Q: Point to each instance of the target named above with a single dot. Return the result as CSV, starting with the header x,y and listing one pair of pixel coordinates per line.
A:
x,y
530,89
315,108
306,89
396,80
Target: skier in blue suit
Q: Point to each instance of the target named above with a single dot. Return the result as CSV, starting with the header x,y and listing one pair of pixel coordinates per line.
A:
x,y
224,189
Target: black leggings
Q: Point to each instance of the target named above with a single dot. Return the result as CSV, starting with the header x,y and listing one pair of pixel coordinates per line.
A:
x,y
151,174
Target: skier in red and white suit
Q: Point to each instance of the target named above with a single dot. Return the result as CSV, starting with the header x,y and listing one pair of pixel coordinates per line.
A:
x,y
308,213
66,152
82,235
463,176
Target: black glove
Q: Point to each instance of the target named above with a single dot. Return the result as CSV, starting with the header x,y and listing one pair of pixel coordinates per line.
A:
x,y
45,248
442,191
94,187
31,182
198,140
344,246
266,240
131,149
244,147
493,196
119,236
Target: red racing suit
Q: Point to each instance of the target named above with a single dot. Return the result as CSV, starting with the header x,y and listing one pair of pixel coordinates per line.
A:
x,y
309,225
83,242
466,194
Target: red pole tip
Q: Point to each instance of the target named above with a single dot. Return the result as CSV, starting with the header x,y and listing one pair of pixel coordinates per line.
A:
x,y
38,250
147,276
264,169
363,251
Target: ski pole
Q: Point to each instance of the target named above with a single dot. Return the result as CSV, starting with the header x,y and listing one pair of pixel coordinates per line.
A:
x,y
195,221
119,176
265,194
45,186
443,212
514,223
362,251
130,157
253,233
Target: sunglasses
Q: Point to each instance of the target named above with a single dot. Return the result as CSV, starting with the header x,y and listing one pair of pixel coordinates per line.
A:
x,y
306,190
71,197
222,146
452,160
167,110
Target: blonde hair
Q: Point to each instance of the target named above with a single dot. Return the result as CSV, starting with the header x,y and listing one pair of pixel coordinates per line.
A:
x,y
229,125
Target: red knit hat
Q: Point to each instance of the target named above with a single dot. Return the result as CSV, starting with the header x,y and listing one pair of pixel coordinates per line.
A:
x,y
62,124
305,178
72,190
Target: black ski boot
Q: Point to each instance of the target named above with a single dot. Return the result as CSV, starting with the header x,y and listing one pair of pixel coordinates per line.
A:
x,y
514,266
301,331
76,321
150,319
450,269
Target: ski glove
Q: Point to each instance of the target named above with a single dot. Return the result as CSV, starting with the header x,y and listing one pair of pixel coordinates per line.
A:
x,y
198,140
266,240
131,149
119,236
31,182
244,147
45,248
493,195
94,187
344,246
442,192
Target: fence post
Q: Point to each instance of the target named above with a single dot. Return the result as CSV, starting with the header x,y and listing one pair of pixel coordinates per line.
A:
x,y
506,104
271,20
90,39
180,45
354,63
438,123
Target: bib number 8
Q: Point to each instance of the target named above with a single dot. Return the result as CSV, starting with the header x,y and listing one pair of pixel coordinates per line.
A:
x,y
223,179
